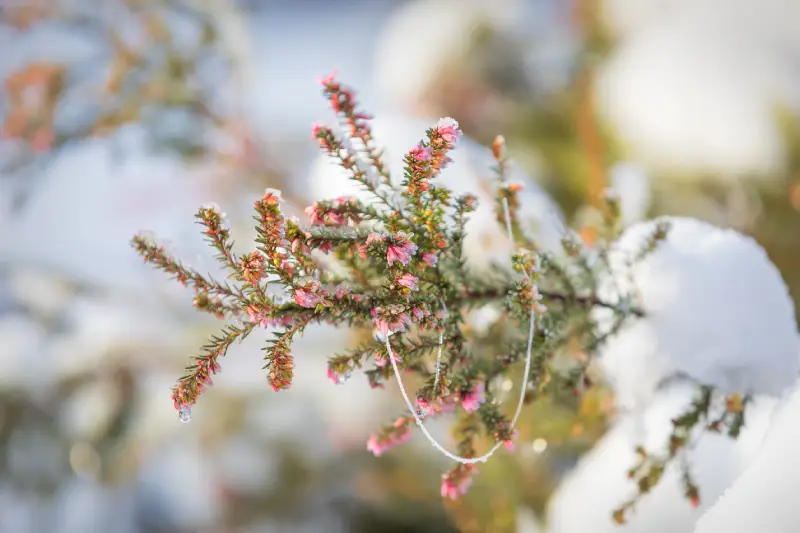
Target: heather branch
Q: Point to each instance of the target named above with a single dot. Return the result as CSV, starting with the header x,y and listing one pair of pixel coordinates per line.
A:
x,y
157,256
199,374
403,273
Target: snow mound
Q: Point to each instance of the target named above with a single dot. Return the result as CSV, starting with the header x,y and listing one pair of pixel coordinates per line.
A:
x,y
586,498
764,498
717,310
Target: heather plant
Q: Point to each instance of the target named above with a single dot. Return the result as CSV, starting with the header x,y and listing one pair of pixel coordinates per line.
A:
x,y
395,265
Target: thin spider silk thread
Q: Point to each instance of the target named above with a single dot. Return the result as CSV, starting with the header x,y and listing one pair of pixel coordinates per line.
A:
x,y
413,411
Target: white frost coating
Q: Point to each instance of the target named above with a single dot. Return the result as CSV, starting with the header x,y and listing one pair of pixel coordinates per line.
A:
x,y
717,310
584,501
470,172
764,497
728,64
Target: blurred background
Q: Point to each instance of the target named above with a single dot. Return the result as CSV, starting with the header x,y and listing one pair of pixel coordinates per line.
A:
x,y
125,115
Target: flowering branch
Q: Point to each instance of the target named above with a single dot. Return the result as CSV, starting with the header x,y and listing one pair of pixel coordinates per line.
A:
x,y
400,249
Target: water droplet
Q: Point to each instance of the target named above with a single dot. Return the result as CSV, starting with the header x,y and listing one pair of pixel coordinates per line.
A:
x,y
185,414
344,377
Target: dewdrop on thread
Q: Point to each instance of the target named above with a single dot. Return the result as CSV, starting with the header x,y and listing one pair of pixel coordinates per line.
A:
x,y
483,458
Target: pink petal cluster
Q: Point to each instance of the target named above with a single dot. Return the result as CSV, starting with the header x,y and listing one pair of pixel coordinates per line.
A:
x,y
407,280
399,434
457,481
381,359
441,405
421,153
373,238
473,399
390,320
263,320
448,129
319,215
509,443
401,249
430,258
308,295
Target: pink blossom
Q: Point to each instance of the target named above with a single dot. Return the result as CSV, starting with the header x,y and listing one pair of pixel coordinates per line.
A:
x,y
400,435
335,219
421,153
329,79
371,239
381,360
509,444
313,213
307,296
333,376
408,281
258,316
402,250
473,399
374,237
448,128
457,481
430,258
342,291
390,320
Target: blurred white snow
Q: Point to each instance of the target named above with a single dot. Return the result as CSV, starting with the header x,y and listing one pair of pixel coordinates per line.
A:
x,y
700,271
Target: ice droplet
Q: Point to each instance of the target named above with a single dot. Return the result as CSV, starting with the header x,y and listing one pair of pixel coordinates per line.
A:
x,y
185,414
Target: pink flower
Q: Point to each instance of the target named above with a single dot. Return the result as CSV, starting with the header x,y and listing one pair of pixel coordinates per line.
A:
x,y
313,213
390,320
342,291
408,281
338,379
307,296
509,444
457,481
257,316
448,129
401,250
329,79
473,399
335,219
395,437
421,153
333,376
430,258
371,239
381,360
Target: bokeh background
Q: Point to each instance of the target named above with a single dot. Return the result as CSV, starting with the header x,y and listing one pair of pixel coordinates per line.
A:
x,y
126,115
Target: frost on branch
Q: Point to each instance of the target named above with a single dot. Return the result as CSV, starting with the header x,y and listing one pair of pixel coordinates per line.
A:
x,y
395,263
